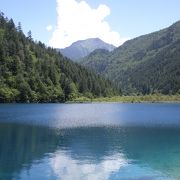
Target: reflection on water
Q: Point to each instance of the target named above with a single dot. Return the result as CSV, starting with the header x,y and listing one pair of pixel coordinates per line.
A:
x,y
32,152
90,141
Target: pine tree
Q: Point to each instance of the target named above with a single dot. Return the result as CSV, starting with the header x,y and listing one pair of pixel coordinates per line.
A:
x,y
19,27
29,35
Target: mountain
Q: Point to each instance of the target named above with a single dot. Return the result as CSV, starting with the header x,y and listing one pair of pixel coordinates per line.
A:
x,y
83,48
31,72
144,65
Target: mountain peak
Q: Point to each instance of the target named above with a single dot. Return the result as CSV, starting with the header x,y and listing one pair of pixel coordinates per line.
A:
x,y
88,40
82,48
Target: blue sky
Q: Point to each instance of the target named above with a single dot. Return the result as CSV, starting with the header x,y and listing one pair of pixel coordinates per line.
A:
x,y
121,19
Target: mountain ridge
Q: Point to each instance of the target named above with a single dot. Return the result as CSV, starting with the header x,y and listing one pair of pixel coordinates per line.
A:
x,y
128,64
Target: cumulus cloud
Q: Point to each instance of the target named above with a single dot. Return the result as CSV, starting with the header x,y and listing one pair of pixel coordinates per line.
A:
x,y
66,168
77,20
49,28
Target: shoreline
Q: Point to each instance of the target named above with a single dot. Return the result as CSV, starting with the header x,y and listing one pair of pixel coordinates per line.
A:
x,y
130,99
121,102
115,99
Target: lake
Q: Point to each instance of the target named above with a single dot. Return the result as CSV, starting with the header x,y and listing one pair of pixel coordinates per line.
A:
x,y
90,141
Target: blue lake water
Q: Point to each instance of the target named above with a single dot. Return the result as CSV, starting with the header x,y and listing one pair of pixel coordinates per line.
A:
x,y
90,141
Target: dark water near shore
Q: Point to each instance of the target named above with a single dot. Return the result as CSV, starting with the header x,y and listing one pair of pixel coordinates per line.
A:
x,y
90,141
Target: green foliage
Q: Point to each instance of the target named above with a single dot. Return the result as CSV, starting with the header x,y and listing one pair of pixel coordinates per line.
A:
x,y
137,99
144,65
8,94
31,72
1,35
71,91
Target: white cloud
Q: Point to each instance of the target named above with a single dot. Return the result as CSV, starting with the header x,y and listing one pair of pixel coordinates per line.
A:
x,y
49,28
78,21
66,168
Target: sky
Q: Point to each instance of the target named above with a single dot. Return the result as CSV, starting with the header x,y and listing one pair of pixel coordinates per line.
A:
x,y
59,23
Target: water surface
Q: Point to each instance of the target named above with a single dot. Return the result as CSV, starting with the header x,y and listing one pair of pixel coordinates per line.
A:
x,y
90,141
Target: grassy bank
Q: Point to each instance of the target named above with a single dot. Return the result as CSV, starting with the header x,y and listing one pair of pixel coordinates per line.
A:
x,y
131,99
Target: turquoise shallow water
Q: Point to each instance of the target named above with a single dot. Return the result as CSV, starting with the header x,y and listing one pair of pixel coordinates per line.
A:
x,y
90,141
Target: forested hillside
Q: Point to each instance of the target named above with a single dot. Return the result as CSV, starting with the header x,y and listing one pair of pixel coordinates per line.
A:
x,y
144,65
31,72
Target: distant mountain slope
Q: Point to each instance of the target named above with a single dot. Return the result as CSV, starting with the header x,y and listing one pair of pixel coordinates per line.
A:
x,y
150,63
83,48
30,72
